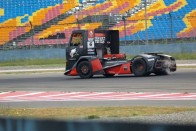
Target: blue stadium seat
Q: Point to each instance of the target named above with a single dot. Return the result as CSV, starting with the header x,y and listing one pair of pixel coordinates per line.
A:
x,y
160,28
161,24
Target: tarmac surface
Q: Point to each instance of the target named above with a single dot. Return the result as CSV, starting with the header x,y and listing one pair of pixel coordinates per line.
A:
x,y
182,81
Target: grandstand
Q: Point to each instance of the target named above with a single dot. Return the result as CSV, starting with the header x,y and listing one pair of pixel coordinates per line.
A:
x,y
50,22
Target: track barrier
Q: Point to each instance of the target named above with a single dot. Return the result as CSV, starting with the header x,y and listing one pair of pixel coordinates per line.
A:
x,y
12,124
53,53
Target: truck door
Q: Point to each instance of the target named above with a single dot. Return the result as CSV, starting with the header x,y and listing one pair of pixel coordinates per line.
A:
x,y
75,48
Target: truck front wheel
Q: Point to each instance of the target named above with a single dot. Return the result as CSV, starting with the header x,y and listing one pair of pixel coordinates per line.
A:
x,y
84,69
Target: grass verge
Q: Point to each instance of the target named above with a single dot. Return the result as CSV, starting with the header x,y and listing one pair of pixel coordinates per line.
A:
x,y
30,62
90,112
184,56
61,62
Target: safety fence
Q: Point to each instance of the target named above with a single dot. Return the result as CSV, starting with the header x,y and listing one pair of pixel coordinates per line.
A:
x,y
165,29
51,22
53,53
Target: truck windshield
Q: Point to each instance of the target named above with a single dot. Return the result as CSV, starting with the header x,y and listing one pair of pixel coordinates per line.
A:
x,y
76,39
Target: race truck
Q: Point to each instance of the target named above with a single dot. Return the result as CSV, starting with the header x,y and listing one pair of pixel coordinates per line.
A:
x,y
92,52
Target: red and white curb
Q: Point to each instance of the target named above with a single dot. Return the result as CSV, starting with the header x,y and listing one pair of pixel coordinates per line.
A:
x,y
23,96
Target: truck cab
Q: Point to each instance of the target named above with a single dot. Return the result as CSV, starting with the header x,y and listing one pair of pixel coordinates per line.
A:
x,y
103,44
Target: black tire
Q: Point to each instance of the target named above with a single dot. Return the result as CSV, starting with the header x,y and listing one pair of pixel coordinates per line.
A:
x,y
139,67
108,75
84,69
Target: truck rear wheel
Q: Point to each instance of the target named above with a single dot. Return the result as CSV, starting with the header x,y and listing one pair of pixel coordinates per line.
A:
x,y
139,67
84,69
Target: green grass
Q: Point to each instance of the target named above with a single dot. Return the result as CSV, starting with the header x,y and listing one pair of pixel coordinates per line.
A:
x,y
49,62
90,112
33,62
184,56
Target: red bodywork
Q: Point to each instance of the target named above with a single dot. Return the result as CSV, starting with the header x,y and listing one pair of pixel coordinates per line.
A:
x,y
73,72
114,56
120,69
96,66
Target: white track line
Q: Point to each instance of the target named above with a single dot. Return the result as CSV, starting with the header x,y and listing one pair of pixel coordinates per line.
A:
x,y
2,93
26,94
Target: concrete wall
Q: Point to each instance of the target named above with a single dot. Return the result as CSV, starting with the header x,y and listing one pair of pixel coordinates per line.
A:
x,y
11,55
165,48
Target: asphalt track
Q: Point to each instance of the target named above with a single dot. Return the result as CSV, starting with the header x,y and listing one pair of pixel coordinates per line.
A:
x,y
182,81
